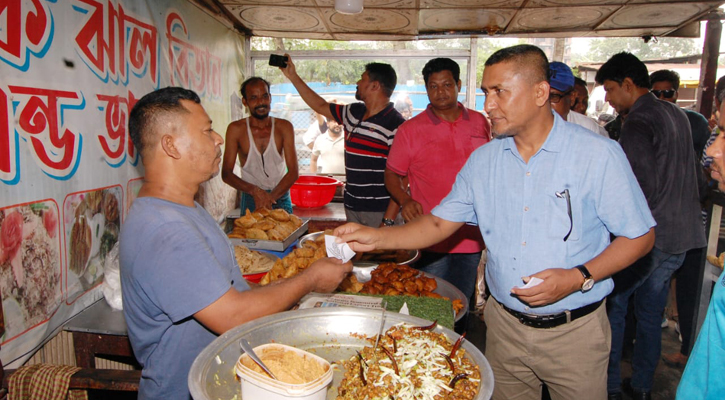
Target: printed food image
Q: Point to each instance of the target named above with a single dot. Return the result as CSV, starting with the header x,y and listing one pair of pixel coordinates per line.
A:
x,y
29,265
91,220
80,245
410,363
264,224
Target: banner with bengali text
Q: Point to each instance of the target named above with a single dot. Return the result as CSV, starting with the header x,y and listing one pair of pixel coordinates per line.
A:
x,y
70,71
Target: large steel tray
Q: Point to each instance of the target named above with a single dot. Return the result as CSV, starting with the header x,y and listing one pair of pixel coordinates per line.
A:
x,y
327,332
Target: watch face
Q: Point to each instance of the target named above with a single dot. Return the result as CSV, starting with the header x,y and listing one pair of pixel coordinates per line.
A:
x,y
588,284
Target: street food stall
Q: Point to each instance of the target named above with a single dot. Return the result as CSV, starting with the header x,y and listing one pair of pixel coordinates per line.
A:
x,y
72,70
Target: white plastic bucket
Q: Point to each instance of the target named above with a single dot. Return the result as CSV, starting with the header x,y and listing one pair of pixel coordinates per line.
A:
x,y
261,386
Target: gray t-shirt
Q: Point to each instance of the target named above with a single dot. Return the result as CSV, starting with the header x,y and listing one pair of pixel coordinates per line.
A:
x,y
175,261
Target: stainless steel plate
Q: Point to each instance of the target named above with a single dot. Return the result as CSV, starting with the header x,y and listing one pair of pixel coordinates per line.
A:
x,y
322,331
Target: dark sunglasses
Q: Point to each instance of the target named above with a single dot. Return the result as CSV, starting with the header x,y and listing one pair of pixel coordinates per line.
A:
x,y
667,94
556,97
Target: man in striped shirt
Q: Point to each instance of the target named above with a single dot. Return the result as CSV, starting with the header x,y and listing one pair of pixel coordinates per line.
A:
x,y
370,127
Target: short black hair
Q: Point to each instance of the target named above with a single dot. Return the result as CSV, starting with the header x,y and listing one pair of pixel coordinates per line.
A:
x,y
441,64
150,107
665,75
384,74
253,79
523,54
621,66
580,81
720,89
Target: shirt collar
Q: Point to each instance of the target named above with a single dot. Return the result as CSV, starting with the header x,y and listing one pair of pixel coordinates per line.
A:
x,y
554,141
435,120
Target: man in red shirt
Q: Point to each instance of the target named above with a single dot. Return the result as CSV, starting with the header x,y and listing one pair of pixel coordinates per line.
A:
x,y
429,150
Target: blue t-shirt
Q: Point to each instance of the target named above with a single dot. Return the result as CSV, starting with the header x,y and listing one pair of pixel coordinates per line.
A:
x,y
705,370
522,212
175,261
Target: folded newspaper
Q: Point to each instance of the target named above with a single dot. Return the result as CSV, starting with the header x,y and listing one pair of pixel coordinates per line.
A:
x,y
318,300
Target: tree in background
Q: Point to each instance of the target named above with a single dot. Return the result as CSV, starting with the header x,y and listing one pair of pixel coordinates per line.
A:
x,y
601,50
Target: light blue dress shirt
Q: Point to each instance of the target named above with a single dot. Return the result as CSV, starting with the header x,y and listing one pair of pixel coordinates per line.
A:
x,y
524,222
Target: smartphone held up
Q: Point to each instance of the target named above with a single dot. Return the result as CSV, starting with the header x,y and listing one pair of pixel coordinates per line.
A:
x,y
278,61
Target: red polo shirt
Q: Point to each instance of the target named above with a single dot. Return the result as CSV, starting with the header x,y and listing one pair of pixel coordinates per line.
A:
x,y
430,152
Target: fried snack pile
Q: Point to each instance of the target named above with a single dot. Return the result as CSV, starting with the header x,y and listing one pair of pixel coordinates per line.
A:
x,y
717,261
301,258
265,224
410,363
250,261
392,279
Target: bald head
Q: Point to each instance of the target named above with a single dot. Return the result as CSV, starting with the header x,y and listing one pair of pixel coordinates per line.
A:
x,y
529,60
153,115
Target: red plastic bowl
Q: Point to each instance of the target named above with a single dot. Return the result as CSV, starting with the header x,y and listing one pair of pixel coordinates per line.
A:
x,y
255,278
310,191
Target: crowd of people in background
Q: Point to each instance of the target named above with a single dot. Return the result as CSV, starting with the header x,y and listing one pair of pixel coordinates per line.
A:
x,y
576,220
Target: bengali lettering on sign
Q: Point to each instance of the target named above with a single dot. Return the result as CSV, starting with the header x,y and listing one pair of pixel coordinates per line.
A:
x,y
115,141
113,42
192,67
28,29
39,113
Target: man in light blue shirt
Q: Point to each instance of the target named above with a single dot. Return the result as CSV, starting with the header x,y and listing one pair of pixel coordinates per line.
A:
x,y
545,195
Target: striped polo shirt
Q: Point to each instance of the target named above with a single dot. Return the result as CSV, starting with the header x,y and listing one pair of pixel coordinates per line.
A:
x,y
367,144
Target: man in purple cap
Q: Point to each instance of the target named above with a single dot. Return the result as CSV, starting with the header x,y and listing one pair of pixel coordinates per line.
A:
x,y
562,94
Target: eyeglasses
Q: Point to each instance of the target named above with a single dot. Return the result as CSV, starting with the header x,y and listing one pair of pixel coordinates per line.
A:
x,y
667,94
565,195
556,97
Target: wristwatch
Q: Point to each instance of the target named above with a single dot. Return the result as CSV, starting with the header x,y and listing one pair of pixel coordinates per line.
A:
x,y
388,222
588,280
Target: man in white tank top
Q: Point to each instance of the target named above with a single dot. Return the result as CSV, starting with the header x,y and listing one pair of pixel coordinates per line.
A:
x,y
266,150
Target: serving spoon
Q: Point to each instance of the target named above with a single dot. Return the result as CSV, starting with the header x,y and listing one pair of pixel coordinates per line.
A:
x,y
244,344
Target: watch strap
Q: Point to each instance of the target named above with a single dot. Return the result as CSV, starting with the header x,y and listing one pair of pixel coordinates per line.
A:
x,y
583,269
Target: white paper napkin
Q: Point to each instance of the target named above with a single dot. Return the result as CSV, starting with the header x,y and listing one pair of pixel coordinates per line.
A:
x,y
532,282
404,309
341,251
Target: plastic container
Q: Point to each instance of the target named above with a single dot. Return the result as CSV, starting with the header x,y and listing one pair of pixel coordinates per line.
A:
x,y
260,386
255,278
311,191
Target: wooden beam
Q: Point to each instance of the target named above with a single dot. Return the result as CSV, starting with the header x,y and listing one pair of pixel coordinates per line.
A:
x,y
708,66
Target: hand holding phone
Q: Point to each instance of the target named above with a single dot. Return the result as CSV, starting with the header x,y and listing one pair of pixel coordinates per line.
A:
x,y
278,61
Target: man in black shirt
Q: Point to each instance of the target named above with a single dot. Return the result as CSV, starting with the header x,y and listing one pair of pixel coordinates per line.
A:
x,y
656,138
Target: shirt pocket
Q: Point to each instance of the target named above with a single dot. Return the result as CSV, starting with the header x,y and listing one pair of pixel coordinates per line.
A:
x,y
559,221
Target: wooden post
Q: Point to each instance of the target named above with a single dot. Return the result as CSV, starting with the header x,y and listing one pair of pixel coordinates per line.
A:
x,y
708,65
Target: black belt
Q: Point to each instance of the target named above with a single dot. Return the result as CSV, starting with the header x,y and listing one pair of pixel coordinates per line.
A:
x,y
552,320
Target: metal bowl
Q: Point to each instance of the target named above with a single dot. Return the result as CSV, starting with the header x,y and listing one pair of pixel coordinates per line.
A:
x,y
326,332
413,255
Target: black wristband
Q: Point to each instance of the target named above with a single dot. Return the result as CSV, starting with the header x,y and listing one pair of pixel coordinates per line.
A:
x,y
388,222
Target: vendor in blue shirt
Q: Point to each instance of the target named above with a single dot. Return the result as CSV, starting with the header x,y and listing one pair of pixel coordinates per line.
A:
x,y
546,194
